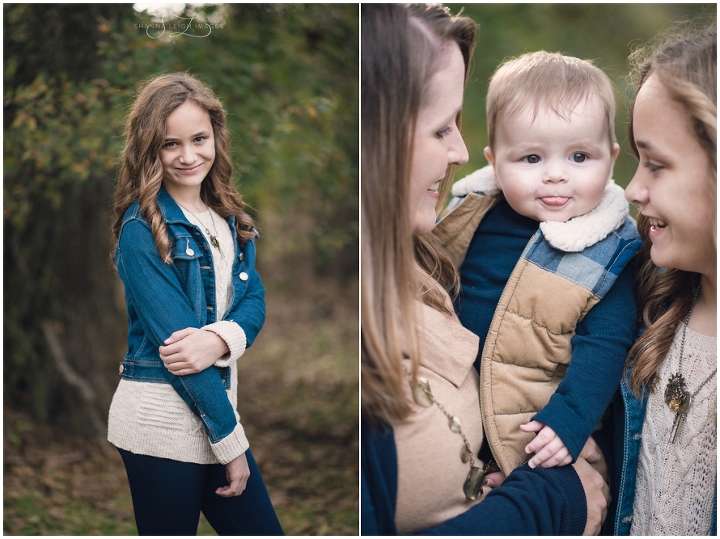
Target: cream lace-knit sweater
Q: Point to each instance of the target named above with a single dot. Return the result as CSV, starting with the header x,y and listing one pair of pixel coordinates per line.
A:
x,y
676,482
152,419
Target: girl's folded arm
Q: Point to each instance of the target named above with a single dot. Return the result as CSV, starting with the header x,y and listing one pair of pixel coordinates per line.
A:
x,y
163,308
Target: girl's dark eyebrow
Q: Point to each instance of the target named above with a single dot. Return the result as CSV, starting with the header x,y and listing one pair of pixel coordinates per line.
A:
x,y
199,134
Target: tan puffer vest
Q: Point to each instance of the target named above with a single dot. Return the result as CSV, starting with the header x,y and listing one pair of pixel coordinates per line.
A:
x,y
528,346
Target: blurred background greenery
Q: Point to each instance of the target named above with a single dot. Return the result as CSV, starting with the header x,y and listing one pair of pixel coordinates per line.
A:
x,y
604,33
288,76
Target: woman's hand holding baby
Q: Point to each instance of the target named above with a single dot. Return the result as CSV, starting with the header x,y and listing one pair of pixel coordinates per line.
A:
x,y
549,449
597,496
494,479
192,350
591,469
592,453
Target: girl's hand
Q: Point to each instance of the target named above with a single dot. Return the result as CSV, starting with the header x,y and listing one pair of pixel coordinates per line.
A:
x,y
192,350
549,449
237,472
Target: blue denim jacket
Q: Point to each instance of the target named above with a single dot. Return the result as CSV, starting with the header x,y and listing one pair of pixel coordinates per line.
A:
x,y
628,422
164,298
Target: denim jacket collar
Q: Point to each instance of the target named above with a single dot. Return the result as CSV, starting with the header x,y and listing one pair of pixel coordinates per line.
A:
x,y
172,213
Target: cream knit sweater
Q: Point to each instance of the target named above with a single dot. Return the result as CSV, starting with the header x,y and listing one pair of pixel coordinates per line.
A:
x,y
152,419
676,482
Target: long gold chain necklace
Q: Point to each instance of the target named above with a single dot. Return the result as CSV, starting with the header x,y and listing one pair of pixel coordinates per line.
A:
x,y
475,480
677,397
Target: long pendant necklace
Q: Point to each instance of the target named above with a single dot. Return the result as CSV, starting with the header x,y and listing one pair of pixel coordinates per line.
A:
x,y
213,239
677,397
476,476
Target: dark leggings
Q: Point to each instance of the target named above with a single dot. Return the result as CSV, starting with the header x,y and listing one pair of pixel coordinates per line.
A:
x,y
168,496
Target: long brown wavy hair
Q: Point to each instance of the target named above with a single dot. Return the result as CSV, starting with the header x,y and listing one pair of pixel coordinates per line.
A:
x,y
402,48
141,173
687,67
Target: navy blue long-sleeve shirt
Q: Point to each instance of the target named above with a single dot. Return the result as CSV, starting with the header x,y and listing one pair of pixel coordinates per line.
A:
x,y
529,502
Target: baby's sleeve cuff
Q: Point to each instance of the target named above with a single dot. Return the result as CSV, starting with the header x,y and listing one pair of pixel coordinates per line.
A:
x,y
234,337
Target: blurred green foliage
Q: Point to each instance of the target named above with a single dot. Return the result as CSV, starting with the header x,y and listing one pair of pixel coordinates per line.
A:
x,y
604,33
288,77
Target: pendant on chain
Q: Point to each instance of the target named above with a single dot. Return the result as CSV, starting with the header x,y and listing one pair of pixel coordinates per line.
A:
x,y
675,391
677,399
474,483
422,394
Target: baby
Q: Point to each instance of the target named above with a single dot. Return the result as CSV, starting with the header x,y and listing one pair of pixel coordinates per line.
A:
x,y
541,237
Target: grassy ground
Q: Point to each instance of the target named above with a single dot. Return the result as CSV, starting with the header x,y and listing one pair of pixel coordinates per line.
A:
x,y
298,394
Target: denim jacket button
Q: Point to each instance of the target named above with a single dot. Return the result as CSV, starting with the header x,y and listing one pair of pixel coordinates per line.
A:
x,y
121,369
241,256
627,519
637,436
243,276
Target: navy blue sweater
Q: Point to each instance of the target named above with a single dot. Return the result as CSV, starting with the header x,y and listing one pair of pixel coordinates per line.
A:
x,y
530,502
599,346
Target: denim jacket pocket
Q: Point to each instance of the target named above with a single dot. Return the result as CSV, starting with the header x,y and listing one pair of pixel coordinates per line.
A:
x,y
185,248
188,258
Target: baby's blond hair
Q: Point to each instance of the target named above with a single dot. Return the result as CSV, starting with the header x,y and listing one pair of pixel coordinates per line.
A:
x,y
544,79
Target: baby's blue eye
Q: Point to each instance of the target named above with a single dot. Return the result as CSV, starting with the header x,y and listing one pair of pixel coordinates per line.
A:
x,y
532,159
578,157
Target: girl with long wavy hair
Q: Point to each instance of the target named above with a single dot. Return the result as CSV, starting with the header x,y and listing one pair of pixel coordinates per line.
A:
x,y
421,421
186,255
667,475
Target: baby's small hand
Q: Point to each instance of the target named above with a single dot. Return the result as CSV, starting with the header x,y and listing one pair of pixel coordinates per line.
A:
x,y
549,449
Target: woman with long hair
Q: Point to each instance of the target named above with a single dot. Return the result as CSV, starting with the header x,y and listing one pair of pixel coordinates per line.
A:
x,y
421,422
667,475
186,255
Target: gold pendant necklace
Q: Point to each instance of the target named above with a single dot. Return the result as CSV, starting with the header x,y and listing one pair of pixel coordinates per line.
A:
x,y
472,487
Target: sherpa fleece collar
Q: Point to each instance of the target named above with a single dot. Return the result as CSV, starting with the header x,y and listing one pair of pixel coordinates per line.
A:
x,y
573,235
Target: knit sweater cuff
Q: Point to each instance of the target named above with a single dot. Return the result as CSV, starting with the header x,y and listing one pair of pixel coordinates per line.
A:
x,y
232,446
234,337
566,481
